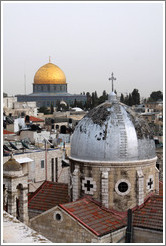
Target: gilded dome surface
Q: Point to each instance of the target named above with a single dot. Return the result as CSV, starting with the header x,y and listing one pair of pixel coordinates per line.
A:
x,y
49,74
112,132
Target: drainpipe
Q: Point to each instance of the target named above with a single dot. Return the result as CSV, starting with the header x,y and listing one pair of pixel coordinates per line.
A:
x,y
129,227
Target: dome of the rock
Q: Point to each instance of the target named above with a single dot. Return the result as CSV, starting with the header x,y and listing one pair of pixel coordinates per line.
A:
x,y
49,74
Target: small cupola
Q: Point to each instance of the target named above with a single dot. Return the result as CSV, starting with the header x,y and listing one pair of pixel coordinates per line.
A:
x,y
12,165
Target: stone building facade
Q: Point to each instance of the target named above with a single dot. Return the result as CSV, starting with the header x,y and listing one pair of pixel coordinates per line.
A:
x,y
59,227
11,106
143,235
112,171
15,190
102,181
42,165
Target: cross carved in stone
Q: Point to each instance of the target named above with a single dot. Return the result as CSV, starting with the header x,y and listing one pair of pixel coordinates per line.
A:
x,y
88,185
112,79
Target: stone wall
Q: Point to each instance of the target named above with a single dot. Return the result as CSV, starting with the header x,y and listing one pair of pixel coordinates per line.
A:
x,y
37,173
33,213
105,178
65,230
147,236
69,230
159,153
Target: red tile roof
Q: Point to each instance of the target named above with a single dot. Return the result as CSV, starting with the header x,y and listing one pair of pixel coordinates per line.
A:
x,y
7,132
48,195
150,215
93,216
35,119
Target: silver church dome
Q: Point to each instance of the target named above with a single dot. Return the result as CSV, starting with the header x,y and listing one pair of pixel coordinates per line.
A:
x,y
112,132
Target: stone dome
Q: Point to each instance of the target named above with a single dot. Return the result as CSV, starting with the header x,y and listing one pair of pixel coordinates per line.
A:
x,y
49,74
12,165
112,132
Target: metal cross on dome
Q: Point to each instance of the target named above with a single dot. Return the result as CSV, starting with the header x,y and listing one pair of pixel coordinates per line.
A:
x,y
112,79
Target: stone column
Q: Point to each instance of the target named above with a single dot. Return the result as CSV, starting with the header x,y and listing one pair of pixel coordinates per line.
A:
x,y
24,205
157,181
76,183
140,187
4,197
12,202
104,187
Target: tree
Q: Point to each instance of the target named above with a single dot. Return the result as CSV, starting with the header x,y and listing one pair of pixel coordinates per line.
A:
x,y
126,100
130,101
52,108
103,97
88,104
94,99
75,103
156,95
135,97
58,106
122,98
43,110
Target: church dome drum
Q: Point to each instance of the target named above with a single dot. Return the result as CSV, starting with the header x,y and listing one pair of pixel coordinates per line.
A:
x,y
49,74
112,132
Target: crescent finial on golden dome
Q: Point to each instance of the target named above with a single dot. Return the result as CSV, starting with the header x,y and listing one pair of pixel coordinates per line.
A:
x,y
49,74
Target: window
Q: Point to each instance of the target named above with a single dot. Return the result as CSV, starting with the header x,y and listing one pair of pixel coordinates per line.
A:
x,y
52,168
58,216
158,165
42,163
123,187
56,169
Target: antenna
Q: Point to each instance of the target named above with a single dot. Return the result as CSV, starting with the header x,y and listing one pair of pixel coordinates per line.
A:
x,y
49,59
25,83
24,79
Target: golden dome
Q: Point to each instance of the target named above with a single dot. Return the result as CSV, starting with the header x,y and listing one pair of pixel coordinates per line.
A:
x,y
49,74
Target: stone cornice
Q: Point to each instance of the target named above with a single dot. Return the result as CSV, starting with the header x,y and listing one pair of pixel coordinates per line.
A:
x,y
115,164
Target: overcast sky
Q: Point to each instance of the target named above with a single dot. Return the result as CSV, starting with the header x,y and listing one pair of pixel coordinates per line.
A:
x,y
88,41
